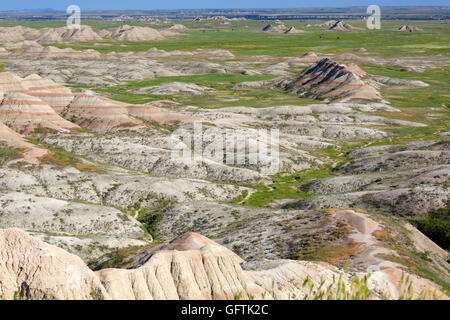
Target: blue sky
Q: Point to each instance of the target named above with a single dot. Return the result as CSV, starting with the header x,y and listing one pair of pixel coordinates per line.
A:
x,y
193,4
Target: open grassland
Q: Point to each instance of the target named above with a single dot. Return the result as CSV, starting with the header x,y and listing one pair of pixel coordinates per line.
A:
x,y
436,95
224,96
246,38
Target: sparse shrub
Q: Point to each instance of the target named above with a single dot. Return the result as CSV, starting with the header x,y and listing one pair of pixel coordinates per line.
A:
x,y
436,227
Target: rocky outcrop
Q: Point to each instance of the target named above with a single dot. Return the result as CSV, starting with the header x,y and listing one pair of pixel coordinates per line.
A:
x,y
281,29
3,52
55,95
353,58
31,153
309,57
50,52
194,267
292,30
325,79
328,23
400,82
341,26
97,114
84,33
174,88
190,267
177,27
10,83
135,33
154,113
118,188
25,113
408,28
328,79
87,230
48,35
33,269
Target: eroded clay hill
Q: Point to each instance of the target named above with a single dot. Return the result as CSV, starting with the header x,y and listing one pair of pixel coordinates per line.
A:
x,y
328,79
94,113
55,95
24,113
325,79
342,26
190,267
84,33
135,33
33,102
10,138
37,270
10,82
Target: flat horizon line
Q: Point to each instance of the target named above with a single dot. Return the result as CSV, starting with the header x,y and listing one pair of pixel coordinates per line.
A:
x,y
224,8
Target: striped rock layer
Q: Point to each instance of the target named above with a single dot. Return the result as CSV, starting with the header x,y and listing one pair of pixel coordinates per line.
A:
x,y
97,114
25,113
55,95
328,79
191,267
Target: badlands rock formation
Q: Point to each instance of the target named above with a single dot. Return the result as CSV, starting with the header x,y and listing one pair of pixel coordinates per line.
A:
x,y
417,172
194,267
48,35
84,33
135,33
103,193
55,95
328,23
116,187
341,26
24,113
353,58
408,28
177,27
37,270
327,79
171,88
309,57
10,138
281,29
401,82
97,114
292,30
10,83
51,52
154,112
190,267
90,231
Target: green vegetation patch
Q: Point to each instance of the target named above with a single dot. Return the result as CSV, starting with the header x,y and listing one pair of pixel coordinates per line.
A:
x,y
436,95
61,158
246,38
119,258
224,96
8,153
436,226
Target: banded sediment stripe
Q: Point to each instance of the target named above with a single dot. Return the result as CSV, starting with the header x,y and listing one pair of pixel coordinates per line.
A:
x,y
24,113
